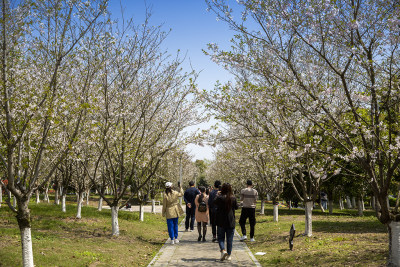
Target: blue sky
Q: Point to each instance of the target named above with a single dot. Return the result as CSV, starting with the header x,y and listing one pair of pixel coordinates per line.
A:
x,y
192,28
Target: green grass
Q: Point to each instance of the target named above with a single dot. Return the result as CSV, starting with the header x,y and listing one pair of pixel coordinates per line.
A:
x,y
340,239
61,240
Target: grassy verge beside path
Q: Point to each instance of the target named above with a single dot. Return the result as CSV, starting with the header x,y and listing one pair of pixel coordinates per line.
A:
x,y
340,239
61,240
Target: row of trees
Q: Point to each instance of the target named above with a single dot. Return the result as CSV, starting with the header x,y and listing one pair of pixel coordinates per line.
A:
x,y
86,100
315,99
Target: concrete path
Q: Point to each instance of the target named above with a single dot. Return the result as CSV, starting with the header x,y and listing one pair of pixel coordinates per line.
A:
x,y
190,252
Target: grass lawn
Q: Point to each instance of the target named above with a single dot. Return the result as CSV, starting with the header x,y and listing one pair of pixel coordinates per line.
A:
x,y
340,239
61,240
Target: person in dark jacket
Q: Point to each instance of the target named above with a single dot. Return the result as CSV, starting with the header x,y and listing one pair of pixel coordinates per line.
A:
x,y
189,197
213,209
225,219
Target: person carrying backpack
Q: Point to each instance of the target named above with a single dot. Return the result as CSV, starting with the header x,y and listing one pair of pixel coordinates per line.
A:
x,y
201,214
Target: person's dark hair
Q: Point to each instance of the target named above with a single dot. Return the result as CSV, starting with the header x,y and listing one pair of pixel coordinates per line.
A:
x,y
249,182
217,183
168,190
191,183
226,191
202,190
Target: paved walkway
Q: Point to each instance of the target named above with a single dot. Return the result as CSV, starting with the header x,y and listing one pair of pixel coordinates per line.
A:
x,y
190,252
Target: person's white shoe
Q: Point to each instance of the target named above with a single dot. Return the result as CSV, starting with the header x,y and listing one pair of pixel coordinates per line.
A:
x,y
252,240
176,241
229,258
172,242
243,238
224,255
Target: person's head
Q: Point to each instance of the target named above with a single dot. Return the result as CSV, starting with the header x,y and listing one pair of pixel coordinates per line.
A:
x,y
202,189
191,183
249,183
217,183
226,189
168,187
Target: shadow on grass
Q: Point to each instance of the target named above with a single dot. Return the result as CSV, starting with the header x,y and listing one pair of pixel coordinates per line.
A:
x,y
360,227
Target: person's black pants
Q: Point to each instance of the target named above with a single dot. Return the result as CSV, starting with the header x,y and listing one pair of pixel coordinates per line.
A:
x,y
213,222
190,212
251,214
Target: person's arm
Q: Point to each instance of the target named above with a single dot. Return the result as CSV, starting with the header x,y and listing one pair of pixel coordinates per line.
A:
x,y
255,197
185,197
196,200
241,196
235,204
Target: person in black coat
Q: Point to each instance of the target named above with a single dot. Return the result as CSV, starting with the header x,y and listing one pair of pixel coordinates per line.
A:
x,y
213,209
225,219
189,197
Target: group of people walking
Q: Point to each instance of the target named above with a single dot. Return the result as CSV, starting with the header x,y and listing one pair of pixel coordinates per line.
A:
x,y
217,207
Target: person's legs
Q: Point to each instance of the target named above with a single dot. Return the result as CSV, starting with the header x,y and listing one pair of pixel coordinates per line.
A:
x,y
242,220
176,221
170,224
187,220
213,225
229,239
199,230
204,231
192,217
221,238
252,219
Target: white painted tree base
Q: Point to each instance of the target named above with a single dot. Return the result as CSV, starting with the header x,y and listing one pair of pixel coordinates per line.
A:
x,y
141,216
100,206
63,203
308,210
276,212
114,221
394,246
262,211
27,252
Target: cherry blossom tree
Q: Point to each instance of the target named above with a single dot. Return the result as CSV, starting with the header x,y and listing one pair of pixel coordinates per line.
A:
x,y
338,62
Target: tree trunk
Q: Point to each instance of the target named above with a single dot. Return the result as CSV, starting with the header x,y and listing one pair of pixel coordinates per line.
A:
x,y
63,203
353,202
360,207
341,206
37,197
87,197
46,194
141,216
100,206
268,197
321,207
23,218
114,220
56,200
308,209
14,202
262,211
373,202
1,194
394,243
348,202
153,206
79,210
275,212
330,203
388,203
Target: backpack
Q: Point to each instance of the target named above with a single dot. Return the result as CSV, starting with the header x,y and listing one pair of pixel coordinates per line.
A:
x,y
202,206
